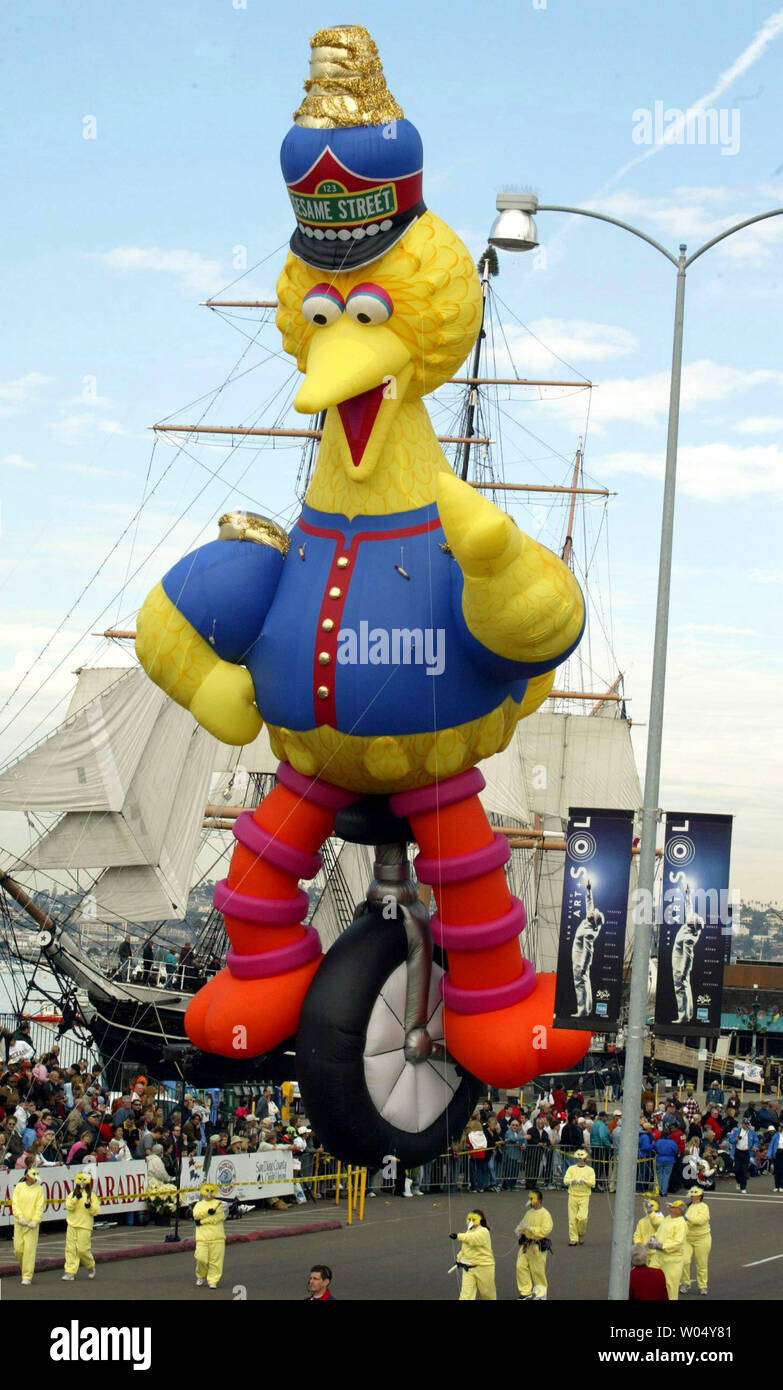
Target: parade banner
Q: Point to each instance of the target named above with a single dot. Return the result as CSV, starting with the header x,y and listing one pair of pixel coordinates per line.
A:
x,y
249,1176
593,919
119,1188
694,940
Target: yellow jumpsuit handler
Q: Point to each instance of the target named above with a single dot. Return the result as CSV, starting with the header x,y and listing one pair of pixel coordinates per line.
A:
x,y
669,1239
475,1259
533,1233
27,1206
209,1216
580,1181
647,1228
81,1207
698,1242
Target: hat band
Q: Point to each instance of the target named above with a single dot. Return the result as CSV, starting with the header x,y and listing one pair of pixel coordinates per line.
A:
x,y
333,203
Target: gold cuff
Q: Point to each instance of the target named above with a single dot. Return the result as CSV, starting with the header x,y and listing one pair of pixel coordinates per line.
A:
x,y
248,526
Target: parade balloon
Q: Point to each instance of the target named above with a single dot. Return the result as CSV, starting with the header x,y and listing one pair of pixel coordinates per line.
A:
x,y
390,642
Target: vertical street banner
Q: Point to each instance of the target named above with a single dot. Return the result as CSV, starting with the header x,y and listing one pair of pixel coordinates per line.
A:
x,y
695,924
593,919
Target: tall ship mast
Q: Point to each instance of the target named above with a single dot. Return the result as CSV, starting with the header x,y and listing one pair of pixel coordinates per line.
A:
x,y
130,804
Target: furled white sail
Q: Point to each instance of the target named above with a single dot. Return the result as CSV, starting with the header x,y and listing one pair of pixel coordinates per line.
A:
x,y
93,681
147,893
556,761
88,763
570,760
232,783
256,756
577,760
133,835
505,796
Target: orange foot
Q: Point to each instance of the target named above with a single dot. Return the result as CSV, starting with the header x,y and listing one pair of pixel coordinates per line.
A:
x,y
507,1047
245,1018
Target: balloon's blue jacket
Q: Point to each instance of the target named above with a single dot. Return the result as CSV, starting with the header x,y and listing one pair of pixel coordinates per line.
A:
x,y
359,626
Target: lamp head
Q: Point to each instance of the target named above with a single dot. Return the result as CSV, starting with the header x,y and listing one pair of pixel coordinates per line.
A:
x,y
514,228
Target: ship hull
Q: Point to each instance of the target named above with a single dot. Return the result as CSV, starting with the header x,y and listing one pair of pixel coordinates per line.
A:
x,y
130,1033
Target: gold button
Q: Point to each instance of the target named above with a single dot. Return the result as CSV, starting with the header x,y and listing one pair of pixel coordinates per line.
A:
x,y
327,625
343,562
324,658
322,692
335,592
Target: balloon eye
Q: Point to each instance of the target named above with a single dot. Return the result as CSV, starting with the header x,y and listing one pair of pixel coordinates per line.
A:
x,y
322,304
369,304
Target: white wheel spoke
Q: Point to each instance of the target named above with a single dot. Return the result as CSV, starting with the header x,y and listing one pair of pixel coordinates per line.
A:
x,y
382,1075
448,1076
384,1030
409,1095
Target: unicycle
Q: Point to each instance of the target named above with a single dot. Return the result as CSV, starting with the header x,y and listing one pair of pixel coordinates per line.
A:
x,y
373,1068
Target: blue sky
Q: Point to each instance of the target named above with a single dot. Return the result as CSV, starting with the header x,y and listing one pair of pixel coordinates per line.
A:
x,y
112,241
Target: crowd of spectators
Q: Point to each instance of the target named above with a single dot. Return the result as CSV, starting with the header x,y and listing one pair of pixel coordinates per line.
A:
x,y
684,1142
680,1143
53,1114
530,1145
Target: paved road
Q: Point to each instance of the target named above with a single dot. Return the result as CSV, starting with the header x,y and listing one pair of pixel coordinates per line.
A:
x,y
402,1251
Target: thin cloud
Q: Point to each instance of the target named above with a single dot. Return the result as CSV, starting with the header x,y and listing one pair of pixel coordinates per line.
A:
x,y
765,576
713,472
92,472
18,461
88,402
644,400
77,426
759,424
717,628
16,394
546,340
195,273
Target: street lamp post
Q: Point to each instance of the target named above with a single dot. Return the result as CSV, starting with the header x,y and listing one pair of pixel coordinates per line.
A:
x,y
515,230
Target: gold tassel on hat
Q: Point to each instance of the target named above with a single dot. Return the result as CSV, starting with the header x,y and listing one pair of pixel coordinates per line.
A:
x,y
346,86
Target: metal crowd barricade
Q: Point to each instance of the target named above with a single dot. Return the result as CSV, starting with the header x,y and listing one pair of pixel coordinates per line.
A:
x,y
511,1167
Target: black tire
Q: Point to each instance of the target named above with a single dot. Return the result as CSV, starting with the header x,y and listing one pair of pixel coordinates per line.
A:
x,y
345,997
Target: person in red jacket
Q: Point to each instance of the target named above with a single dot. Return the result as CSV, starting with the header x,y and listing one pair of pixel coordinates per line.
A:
x,y
646,1284
678,1136
712,1122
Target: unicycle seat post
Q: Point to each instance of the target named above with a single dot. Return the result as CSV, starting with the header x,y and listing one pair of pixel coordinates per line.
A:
x,y
394,890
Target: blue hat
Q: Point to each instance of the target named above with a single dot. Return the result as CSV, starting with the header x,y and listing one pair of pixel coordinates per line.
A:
x,y
351,162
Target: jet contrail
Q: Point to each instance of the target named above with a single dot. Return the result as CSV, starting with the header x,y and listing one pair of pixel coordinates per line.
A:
x,y
768,31
751,55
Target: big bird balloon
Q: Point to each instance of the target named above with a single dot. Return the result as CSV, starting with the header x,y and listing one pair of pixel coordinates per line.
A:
x,y
396,636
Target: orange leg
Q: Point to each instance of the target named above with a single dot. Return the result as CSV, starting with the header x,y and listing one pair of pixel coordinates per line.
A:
x,y
254,1003
497,1013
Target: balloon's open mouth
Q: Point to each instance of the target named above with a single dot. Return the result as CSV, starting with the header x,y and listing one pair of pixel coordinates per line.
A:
x,y
358,415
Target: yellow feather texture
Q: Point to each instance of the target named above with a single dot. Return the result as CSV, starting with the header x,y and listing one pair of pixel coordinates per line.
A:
x,y
433,285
